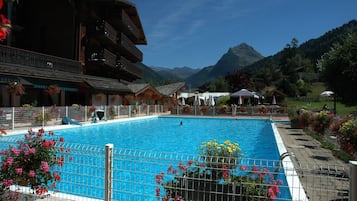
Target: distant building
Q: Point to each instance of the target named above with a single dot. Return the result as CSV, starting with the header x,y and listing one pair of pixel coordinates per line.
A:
x,y
80,48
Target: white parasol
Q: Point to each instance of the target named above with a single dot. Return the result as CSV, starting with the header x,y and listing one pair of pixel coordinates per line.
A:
x,y
327,93
240,102
274,101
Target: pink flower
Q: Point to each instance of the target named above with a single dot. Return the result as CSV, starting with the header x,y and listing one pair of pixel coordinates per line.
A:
x,y
157,192
243,167
190,162
10,160
226,174
182,167
6,182
32,173
18,171
57,177
169,170
32,151
159,177
15,151
272,194
45,167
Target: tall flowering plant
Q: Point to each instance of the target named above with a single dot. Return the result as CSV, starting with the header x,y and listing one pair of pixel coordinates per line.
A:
x,y
346,131
32,162
321,121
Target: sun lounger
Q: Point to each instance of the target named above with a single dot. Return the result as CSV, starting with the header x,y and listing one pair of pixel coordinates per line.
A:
x,y
67,120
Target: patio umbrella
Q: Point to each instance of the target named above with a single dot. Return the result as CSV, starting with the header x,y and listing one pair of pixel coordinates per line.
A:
x,y
183,101
274,101
330,93
240,102
197,100
243,93
327,93
211,101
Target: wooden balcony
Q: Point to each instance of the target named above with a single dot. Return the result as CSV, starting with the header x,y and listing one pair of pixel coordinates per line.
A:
x,y
123,15
103,56
24,58
128,48
128,68
104,32
126,25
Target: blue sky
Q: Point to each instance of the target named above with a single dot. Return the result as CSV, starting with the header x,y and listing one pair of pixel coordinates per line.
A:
x,y
196,33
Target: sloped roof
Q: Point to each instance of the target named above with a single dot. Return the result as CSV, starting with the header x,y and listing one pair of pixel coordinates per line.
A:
x,y
106,84
170,89
99,83
137,88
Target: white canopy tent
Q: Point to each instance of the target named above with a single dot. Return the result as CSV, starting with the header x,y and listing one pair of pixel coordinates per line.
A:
x,y
243,93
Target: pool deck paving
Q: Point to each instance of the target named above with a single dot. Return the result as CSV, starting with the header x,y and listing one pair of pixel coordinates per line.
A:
x,y
310,162
307,151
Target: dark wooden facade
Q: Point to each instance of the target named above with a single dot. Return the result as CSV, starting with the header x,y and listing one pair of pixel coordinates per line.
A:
x,y
68,43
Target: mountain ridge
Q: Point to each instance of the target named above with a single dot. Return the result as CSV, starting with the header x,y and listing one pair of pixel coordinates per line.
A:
x,y
312,48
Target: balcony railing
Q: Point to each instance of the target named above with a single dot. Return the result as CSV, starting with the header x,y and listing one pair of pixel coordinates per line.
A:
x,y
20,57
105,29
128,25
104,56
128,48
129,67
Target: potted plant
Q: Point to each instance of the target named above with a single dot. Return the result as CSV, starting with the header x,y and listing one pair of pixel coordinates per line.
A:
x,y
204,109
223,109
39,118
294,118
99,97
31,162
53,89
15,88
186,109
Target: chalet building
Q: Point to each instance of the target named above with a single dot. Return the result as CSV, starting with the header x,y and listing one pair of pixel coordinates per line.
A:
x,y
65,52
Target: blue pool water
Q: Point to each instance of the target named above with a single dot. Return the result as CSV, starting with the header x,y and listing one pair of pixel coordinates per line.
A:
x,y
164,134
254,136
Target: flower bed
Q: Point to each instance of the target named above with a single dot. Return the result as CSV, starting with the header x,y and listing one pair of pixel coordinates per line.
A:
x,y
213,177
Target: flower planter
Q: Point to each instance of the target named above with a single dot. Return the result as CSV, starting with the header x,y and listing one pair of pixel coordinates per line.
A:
x,y
295,123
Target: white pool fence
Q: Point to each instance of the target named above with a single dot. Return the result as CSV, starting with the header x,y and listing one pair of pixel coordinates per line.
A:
x,y
26,117
115,174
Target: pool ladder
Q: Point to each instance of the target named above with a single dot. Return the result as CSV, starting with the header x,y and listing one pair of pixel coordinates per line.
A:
x,y
281,158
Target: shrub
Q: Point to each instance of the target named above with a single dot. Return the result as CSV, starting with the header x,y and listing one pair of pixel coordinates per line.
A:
x,y
321,121
346,132
31,162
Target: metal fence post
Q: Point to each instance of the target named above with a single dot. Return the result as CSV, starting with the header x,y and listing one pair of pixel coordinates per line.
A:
x,y
108,181
353,181
129,111
13,118
85,114
43,116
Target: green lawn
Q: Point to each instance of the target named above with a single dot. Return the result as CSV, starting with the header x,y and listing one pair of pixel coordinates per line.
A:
x,y
313,101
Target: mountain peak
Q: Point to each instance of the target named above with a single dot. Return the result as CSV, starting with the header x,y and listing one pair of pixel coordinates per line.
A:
x,y
245,49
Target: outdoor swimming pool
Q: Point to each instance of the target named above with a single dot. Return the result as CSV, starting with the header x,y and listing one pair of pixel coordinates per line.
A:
x,y
164,134
254,136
